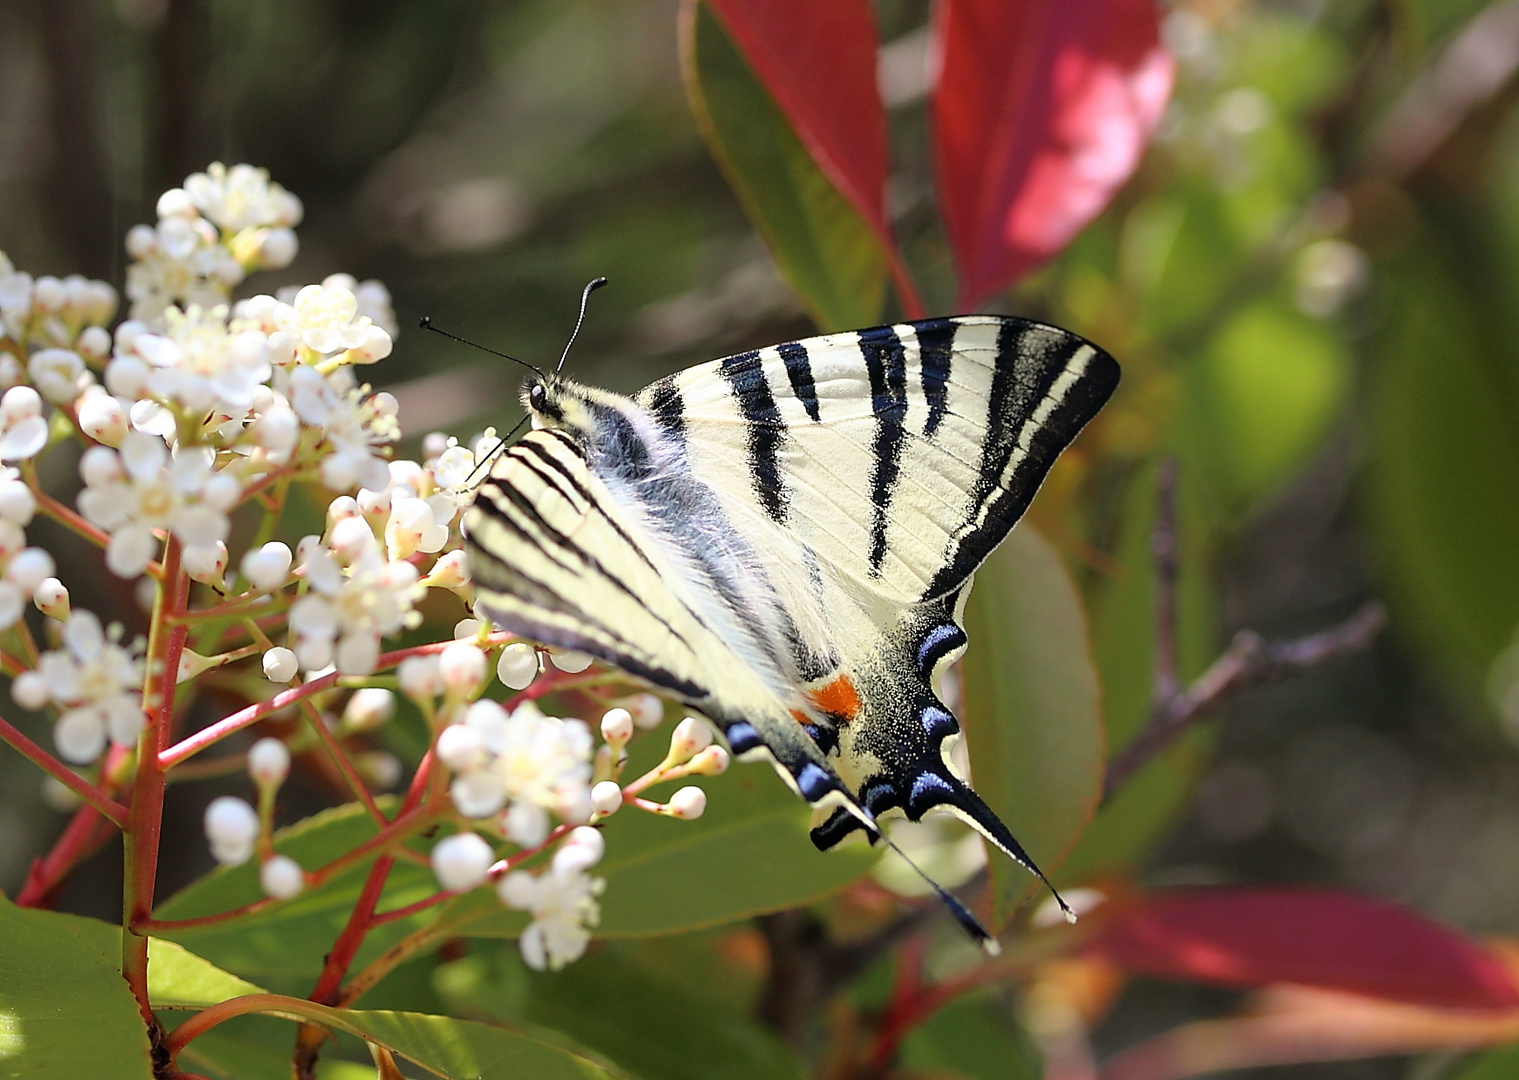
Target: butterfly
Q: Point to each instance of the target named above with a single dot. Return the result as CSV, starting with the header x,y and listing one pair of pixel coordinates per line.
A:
x,y
784,539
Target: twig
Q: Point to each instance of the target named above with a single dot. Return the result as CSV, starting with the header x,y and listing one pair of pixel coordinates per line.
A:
x,y
1248,661
109,807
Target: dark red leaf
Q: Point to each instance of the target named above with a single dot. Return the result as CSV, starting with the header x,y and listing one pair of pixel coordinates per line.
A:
x,y
1256,936
1041,112
818,61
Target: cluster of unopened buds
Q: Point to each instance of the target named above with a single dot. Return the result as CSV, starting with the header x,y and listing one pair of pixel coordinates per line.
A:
x,y
191,422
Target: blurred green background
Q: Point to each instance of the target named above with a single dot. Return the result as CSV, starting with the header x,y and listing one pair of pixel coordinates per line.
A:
x,y
1311,284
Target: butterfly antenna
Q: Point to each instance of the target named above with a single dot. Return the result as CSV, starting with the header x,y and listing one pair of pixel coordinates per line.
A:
x,y
425,322
585,294
491,456
971,925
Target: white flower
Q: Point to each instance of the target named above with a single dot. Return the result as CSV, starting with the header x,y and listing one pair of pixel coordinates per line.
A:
x,y
152,492
461,861
181,261
23,431
238,198
94,680
349,608
59,374
17,503
15,300
197,362
539,763
325,320
352,426
563,903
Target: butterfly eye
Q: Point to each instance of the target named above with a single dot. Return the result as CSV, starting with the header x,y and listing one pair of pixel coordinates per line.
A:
x,y
537,397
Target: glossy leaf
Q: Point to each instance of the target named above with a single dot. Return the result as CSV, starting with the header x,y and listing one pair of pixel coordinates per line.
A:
x,y
290,939
1033,723
829,251
1041,112
64,1007
647,1023
1444,463
748,854
1334,941
177,978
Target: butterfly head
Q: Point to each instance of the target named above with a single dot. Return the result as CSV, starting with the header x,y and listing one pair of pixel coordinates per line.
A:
x,y
556,402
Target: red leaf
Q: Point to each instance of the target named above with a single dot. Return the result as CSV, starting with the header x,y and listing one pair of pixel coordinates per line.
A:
x,y
818,61
1252,937
1042,110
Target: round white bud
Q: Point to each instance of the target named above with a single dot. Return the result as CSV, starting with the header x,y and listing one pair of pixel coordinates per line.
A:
x,y
606,797
29,569
269,762
571,661
99,466
419,678
205,562
282,877
689,803
518,666
691,737
461,861
617,726
461,665
380,767
351,537
102,417
368,708
466,629
648,711
221,491
280,664
94,343
17,503
451,571
30,691
232,827
588,839
52,599
267,567
712,761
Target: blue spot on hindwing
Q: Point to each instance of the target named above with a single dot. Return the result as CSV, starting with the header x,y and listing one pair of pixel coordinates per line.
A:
x,y
937,722
929,783
814,782
938,643
742,737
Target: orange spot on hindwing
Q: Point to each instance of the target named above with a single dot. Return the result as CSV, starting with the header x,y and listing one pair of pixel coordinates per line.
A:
x,y
838,698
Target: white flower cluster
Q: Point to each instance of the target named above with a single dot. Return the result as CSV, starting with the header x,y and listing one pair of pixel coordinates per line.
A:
x,y
93,680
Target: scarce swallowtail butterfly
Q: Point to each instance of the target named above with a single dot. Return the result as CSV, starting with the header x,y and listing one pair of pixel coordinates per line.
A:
x,y
784,540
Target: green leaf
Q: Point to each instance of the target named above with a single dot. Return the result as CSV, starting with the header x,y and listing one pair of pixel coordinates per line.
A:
x,y
824,248
1444,467
64,1009
1500,1064
1033,724
974,1037
654,1026
177,978
1261,398
290,939
748,854
1122,610
260,1048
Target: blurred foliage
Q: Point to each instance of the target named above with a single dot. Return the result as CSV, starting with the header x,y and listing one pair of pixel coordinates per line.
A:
x,y
1310,285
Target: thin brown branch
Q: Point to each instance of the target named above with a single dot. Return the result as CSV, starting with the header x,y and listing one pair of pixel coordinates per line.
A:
x,y
1164,545
1249,661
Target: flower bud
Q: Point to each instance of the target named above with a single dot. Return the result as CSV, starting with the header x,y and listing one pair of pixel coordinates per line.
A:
x,y
280,664
617,727
380,768
351,537
99,466
571,661
419,678
688,804
451,571
368,708
277,429
606,797
648,711
30,691
94,343
691,736
461,861
267,567
712,761
269,763
29,568
52,599
17,503
126,376
221,492
232,827
206,563
102,417
462,668
281,877
518,666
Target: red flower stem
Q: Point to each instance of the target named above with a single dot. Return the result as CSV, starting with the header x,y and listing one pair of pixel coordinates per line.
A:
x,y
203,1021
346,947
84,834
39,757
342,762
166,644
208,736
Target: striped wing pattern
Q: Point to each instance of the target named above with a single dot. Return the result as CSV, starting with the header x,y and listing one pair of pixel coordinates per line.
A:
x,y
783,538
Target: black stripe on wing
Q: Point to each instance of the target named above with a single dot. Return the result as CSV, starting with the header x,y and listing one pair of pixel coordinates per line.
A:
x,y
936,338
886,365
765,429
799,373
1031,362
